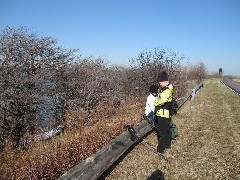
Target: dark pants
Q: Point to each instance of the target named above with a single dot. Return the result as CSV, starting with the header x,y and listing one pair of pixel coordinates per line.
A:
x,y
152,116
164,134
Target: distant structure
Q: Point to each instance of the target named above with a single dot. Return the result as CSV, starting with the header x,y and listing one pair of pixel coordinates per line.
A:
x,y
220,71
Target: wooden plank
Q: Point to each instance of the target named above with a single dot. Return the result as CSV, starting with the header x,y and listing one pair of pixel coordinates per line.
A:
x,y
95,165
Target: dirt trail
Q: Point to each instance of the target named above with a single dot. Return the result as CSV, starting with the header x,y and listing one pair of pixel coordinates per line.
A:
x,y
208,146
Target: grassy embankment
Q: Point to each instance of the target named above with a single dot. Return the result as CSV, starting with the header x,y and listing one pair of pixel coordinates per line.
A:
x,y
208,146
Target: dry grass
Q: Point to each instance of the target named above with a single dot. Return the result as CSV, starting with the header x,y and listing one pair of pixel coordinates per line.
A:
x,y
208,146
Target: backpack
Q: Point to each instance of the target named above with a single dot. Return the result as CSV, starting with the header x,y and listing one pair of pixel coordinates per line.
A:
x,y
173,107
174,131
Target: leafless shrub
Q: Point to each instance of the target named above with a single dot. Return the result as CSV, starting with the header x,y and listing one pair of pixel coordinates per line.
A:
x,y
74,116
148,64
197,72
28,66
88,82
39,80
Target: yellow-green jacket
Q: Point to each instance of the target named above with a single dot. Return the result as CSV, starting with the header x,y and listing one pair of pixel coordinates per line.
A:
x,y
164,97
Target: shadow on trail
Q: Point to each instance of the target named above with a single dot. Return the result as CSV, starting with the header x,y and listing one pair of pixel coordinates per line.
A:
x,y
156,175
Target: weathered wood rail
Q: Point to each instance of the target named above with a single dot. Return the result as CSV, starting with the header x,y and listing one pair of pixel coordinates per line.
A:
x,y
94,166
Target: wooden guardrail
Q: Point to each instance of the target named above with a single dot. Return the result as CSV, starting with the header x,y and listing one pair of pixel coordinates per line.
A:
x,y
94,166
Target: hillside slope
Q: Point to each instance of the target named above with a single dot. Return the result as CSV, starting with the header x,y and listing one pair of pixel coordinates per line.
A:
x,y
208,146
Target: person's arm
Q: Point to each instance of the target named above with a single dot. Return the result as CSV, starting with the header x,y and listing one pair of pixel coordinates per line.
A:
x,y
164,97
151,103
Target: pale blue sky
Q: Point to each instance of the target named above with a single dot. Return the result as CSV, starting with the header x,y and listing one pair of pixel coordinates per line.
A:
x,y
201,30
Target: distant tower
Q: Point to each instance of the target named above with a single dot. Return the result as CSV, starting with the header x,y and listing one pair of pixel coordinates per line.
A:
x,y
220,71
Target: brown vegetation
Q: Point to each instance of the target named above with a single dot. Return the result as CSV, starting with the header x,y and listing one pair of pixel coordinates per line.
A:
x,y
197,72
43,85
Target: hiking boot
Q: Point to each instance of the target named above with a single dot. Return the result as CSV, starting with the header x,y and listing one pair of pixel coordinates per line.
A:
x,y
160,150
168,146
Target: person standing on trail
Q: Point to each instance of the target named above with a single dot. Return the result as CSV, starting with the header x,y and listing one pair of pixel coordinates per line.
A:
x,y
150,108
162,109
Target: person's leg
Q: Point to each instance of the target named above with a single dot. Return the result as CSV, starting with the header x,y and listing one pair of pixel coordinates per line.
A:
x,y
151,115
162,134
168,135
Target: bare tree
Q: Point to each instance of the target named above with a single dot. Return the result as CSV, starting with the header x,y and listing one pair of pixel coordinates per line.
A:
x,y
148,64
197,72
28,66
